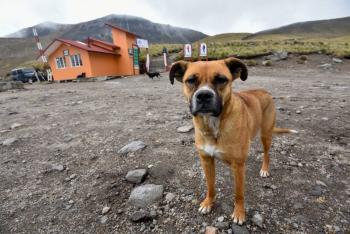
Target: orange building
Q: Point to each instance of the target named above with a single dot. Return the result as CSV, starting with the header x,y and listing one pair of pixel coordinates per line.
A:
x,y
70,59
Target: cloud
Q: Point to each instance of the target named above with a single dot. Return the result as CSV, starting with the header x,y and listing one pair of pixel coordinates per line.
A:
x,y
208,16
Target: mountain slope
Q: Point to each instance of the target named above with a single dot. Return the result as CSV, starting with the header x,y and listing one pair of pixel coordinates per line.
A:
x,y
320,28
43,29
154,32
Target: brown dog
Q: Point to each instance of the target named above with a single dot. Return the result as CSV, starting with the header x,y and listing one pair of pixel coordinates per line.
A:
x,y
225,122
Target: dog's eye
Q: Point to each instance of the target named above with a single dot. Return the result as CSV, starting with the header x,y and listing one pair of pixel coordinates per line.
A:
x,y
192,80
220,80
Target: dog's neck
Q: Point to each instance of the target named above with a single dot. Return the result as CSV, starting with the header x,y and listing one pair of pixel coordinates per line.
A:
x,y
210,125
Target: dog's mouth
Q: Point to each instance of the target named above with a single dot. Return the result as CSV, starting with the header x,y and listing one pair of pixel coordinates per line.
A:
x,y
212,109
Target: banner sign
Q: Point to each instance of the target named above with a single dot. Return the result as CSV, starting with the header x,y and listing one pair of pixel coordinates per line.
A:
x,y
203,50
188,51
136,58
142,43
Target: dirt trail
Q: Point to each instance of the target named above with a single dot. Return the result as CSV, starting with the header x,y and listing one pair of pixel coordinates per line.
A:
x,y
81,126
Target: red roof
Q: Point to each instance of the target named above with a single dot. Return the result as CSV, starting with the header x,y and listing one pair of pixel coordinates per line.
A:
x,y
83,46
121,29
103,42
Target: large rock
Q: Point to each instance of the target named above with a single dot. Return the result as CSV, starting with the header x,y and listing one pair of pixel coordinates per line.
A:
x,y
239,229
258,220
211,230
145,195
279,55
132,147
136,176
184,129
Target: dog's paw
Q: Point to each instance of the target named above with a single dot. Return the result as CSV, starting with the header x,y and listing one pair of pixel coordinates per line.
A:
x,y
238,216
264,173
205,207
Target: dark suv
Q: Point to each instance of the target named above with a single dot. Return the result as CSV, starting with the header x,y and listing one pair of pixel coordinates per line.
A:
x,y
24,75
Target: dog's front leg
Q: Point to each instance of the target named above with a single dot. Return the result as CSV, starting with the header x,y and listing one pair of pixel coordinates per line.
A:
x,y
208,165
238,170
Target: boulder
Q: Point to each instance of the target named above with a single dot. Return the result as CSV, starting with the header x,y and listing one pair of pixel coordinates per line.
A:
x,y
145,195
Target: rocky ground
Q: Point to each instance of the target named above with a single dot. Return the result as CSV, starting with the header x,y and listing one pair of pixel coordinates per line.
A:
x,y
65,166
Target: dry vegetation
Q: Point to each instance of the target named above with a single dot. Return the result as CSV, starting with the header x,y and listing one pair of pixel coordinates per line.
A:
x,y
224,45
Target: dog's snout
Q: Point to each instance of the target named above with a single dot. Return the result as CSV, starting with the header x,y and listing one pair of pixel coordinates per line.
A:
x,y
204,96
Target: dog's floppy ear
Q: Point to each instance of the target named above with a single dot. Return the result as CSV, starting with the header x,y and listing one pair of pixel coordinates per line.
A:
x,y
177,71
237,68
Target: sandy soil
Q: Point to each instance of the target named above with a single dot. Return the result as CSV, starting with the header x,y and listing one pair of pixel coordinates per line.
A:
x,y
81,126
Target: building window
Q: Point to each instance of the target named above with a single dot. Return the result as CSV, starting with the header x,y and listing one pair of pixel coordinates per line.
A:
x,y
76,60
60,62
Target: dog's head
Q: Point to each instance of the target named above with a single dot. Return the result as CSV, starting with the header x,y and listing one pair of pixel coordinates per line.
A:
x,y
208,85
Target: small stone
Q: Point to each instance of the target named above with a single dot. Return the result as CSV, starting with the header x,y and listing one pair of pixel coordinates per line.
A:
x,y
71,202
300,164
72,176
316,191
326,66
298,206
267,63
258,220
140,216
68,138
324,118
150,166
144,195
222,225
184,129
169,197
59,168
104,219
136,176
16,125
239,229
132,147
298,111
9,141
211,230
319,182
105,210
337,60
221,219
153,214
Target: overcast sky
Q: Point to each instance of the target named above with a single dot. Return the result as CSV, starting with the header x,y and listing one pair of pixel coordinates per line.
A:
x,y
208,16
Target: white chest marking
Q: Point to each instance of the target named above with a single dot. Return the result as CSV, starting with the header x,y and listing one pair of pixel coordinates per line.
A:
x,y
211,150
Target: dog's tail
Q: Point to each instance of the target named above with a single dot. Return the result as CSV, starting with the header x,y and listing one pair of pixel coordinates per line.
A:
x,y
283,130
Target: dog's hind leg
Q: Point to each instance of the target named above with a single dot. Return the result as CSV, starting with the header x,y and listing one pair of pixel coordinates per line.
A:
x,y
268,123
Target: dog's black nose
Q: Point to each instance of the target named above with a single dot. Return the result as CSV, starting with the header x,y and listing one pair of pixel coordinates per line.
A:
x,y
204,96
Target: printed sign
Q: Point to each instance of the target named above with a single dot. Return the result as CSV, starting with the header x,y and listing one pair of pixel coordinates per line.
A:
x,y
188,51
203,50
142,43
65,53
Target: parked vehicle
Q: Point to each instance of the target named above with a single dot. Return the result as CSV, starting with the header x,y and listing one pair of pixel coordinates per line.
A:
x,y
24,74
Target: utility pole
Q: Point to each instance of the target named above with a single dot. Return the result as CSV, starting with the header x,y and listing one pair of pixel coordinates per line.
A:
x,y
41,53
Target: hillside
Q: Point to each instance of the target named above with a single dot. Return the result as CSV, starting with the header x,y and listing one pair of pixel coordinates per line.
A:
x,y
225,37
154,32
330,28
